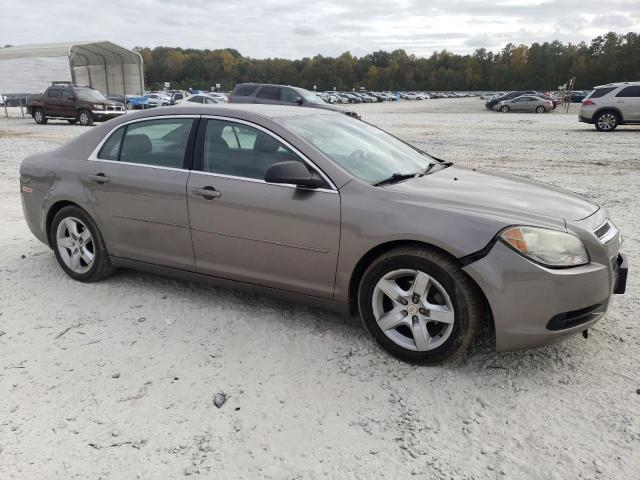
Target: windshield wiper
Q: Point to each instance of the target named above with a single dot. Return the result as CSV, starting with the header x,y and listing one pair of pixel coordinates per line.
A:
x,y
396,177
439,164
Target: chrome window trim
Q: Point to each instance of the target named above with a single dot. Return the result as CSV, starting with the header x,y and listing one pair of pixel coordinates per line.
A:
x,y
257,180
279,139
94,154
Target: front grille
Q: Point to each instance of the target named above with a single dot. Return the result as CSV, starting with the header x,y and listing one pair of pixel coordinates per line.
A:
x,y
117,108
606,231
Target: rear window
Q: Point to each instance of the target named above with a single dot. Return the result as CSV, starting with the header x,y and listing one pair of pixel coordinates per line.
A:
x,y
633,91
245,91
601,92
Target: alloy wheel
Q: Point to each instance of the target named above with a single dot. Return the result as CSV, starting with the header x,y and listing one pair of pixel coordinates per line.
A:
x,y
38,116
413,310
607,121
75,245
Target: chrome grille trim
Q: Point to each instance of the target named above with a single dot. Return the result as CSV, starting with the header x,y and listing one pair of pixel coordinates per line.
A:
x,y
606,232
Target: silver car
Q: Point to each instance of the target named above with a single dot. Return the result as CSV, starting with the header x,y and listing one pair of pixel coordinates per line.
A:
x,y
608,106
320,207
525,103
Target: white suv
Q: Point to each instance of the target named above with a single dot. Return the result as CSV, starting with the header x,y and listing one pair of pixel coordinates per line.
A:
x,y
608,106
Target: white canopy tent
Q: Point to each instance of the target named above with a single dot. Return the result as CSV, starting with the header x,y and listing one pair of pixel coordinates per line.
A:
x,y
103,65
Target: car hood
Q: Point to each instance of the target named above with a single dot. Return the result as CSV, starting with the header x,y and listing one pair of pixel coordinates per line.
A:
x,y
471,188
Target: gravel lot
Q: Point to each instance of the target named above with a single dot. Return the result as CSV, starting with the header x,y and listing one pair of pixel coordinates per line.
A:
x,y
117,379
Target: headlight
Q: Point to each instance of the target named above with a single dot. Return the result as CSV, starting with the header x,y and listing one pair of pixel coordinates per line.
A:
x,y
550,248
98,106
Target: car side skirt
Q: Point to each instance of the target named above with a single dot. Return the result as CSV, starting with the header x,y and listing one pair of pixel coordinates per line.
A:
x,y
337,307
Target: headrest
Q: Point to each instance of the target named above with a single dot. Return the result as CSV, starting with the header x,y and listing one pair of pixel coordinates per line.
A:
x,y
266,144
137,144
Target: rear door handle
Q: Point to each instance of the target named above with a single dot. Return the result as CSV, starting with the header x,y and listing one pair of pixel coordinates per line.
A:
x,y
99,178
208,192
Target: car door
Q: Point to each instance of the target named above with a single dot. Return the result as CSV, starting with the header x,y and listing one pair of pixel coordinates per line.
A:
x,y
628,101
136,183
52,106
68,103
248,230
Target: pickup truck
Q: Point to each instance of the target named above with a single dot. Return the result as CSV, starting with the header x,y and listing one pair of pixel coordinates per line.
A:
x,y
73,103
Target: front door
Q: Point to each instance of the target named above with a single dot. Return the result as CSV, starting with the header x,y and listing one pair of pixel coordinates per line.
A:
x,y
246,229
137,184
628,100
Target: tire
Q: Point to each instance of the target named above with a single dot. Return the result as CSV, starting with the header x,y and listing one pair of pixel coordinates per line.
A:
x,y
39,117
450,296
504,108
85,118
65,242
72,122
607,121
540,109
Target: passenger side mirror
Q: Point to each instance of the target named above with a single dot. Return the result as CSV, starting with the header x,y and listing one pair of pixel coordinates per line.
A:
x,y
293,172
299,101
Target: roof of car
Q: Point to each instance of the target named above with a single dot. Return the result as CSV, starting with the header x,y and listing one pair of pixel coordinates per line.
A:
x,y
618,84
240,110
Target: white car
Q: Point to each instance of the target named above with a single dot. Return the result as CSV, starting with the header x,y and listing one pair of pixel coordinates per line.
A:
x,y
202,98
158,99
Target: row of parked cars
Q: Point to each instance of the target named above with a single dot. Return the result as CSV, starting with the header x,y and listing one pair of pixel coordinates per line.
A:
x,y
368,96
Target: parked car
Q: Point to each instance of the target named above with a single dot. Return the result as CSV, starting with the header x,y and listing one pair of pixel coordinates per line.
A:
x,y
507,96
131,102
202,98
158,99
525,103
329,210
281,95
577,96
608,106
15,99
73,103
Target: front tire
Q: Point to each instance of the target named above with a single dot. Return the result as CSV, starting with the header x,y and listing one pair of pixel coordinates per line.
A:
x,y
39,117
540,109
419,305
607,121
85,118
78,245
504,109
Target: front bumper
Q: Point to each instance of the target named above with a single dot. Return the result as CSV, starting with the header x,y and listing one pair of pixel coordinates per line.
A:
x,y
533,306
103,115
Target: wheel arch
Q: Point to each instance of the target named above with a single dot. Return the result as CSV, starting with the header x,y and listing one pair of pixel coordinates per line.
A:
x,y
615,110
54,209
378,250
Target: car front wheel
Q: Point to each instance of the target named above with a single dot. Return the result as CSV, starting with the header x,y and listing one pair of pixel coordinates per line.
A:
x,y
504,108
606,121
78,245
419,305
85,118
540,109
39,117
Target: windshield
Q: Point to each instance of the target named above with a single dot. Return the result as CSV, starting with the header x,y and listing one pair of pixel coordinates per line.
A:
x,y
89,94
308,96
363,150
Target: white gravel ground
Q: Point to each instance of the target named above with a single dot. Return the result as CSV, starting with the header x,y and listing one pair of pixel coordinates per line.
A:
x,y
116,380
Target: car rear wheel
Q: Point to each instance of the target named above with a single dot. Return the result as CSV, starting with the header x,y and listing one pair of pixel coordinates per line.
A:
x,y
504,108
540,109
78,245
38,116
419,305
606,121
85,118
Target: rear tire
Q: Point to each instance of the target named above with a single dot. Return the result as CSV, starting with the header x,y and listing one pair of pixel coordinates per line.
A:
x,y
78,245
85,118
607,121
39,117
430,326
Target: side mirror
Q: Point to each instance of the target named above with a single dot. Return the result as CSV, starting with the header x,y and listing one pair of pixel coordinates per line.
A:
x,y
293,172
299,101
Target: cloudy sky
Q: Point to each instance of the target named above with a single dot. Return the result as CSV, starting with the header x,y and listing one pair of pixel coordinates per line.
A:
x,y
294,29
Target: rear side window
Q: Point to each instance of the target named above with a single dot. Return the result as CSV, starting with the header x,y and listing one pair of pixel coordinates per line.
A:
x,y
196,99
245,90
161,143
633,91
111,147
269,93
601,92
53,93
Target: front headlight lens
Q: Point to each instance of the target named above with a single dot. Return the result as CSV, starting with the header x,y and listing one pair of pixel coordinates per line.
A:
x,y
97,106
551,248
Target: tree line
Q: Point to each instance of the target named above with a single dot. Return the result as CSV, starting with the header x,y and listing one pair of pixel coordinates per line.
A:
x,y
541,66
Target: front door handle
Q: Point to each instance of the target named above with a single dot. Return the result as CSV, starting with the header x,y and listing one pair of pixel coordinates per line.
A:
x,y
100,178
208,192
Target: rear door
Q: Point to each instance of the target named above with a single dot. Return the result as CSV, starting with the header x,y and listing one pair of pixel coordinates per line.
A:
x,y
628,101
136,183
248,230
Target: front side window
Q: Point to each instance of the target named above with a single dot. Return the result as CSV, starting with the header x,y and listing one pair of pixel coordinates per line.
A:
x,y
633,91
289,95
241,151
161,143
363,150
68,95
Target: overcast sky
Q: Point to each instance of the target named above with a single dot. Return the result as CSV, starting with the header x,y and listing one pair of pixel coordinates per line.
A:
x,y
294,29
